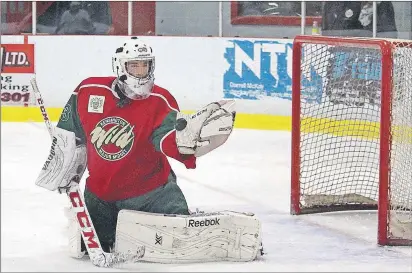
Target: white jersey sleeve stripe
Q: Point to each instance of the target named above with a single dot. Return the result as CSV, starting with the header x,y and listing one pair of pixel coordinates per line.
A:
x,y
162,97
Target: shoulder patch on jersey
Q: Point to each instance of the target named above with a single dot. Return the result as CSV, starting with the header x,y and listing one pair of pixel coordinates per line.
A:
x,y
96,104
67,111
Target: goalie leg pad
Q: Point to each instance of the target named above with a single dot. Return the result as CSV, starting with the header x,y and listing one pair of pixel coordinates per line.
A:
x,y
219,236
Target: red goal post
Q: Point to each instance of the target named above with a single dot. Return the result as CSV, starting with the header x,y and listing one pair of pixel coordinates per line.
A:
x,y
352,130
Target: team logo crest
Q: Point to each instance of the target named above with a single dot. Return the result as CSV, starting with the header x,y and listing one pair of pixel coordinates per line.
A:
x,y
113,138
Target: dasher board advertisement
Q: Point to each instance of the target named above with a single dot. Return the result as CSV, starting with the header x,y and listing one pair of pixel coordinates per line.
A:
x,y
17,68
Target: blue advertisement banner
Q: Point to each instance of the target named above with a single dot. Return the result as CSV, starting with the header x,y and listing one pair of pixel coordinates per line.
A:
x,y
354,77
258,69
263,69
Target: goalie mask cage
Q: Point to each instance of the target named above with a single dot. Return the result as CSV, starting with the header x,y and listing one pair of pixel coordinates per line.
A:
x,y
352,130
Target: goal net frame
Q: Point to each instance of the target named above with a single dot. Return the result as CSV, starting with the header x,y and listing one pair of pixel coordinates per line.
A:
x,y
386,48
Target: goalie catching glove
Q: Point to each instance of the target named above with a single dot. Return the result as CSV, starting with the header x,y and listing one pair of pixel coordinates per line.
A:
x,y
206,130
65,164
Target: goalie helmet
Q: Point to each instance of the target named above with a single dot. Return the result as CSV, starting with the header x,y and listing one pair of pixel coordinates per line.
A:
x,y
134,64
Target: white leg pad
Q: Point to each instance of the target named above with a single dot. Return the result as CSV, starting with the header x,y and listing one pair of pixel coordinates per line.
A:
x,y
219,236
74,235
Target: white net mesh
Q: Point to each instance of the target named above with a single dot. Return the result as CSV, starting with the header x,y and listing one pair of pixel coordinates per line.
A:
x,y
400,217
340,131
339,127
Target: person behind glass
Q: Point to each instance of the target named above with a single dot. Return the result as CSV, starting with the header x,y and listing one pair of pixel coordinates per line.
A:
x,y
341,18
75,20
355,19
386,25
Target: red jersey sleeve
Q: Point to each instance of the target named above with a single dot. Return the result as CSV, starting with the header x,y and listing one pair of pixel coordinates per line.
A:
x,y
164,133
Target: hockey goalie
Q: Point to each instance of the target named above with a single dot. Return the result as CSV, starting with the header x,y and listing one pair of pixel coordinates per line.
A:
x,y
123,129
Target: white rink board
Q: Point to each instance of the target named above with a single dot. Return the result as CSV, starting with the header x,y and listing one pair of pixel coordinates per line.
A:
x,y
192,68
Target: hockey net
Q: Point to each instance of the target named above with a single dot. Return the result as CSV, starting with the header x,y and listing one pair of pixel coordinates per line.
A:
x,y
352,130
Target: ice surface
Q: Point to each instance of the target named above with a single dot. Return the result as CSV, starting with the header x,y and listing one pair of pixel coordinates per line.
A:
x,y
251,172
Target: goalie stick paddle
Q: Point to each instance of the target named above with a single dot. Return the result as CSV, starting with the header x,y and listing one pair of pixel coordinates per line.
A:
x,y
88,232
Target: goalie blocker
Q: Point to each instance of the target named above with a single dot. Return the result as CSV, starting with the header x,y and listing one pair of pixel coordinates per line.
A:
x,y
218,236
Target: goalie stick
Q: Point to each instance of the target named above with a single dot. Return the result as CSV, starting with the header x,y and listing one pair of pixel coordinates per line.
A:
x,y
97,256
